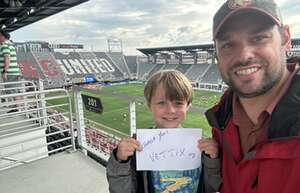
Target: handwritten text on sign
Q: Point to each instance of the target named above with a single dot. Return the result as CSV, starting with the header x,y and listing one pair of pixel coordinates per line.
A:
x,y
168,149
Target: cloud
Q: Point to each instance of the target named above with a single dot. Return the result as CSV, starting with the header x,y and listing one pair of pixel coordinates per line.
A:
x,y
142,23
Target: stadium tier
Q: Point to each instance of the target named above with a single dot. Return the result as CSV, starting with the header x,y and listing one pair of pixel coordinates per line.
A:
x,y
143,70
57,69
196,71
28,65
118,59
211,75
183,68
116,73
132,65
101,140
156,68
170,66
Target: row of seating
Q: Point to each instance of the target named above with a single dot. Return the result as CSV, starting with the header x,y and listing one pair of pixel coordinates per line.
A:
x,y
59,69
100,140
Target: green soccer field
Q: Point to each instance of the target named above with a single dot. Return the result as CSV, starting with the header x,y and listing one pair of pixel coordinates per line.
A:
x,y
112,119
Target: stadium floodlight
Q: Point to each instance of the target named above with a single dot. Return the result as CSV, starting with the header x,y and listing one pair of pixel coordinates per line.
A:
x,y
114,45
30,11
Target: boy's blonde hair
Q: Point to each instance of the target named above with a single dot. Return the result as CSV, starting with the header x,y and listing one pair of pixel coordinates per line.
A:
x,y
175,84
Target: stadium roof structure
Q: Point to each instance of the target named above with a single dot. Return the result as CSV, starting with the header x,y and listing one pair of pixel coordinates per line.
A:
x,y
193,48
14,16
188,48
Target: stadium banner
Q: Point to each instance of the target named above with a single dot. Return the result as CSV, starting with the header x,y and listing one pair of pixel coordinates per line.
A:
x,y
89,78
65,46
92,104
293,53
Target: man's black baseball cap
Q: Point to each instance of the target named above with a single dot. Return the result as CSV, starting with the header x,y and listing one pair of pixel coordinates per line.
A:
x,y
230,8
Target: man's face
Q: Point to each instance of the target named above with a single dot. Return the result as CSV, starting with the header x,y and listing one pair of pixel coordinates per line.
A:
x,y
167,113
251,54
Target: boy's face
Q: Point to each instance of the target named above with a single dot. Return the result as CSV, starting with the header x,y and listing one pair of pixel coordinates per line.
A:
x,y
166,113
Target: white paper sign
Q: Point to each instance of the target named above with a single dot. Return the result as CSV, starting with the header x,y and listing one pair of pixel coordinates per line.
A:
x,y
168,149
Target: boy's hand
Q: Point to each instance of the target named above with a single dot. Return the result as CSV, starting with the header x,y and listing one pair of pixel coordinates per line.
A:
x,y
209,146
127,147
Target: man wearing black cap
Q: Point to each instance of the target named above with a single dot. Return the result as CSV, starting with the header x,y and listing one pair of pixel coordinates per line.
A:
x,y
257,121
8,63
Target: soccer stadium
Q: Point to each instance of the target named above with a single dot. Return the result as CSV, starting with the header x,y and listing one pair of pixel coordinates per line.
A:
x,y
76,105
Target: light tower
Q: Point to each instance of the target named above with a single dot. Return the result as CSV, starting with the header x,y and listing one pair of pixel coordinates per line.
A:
x,y
115,45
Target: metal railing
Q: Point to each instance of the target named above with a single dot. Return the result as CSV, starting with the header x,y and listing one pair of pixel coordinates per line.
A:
x,y
212,87
94,137
31,126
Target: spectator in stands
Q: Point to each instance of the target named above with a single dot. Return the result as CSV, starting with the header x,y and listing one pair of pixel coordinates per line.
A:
x,y
257,121
8,64
169,95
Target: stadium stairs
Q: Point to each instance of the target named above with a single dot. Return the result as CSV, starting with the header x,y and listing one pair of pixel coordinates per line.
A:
x,y
39,145
118,59
131,62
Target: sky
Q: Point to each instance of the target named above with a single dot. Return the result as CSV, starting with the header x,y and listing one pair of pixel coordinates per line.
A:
x,y
138,23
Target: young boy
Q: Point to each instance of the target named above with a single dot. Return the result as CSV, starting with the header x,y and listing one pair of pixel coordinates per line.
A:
x,y
169,95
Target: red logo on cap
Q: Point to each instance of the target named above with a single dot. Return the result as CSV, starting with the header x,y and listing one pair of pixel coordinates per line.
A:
x,y
233,4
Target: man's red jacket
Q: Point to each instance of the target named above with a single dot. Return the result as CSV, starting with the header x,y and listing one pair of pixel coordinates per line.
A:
x,y
273,165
